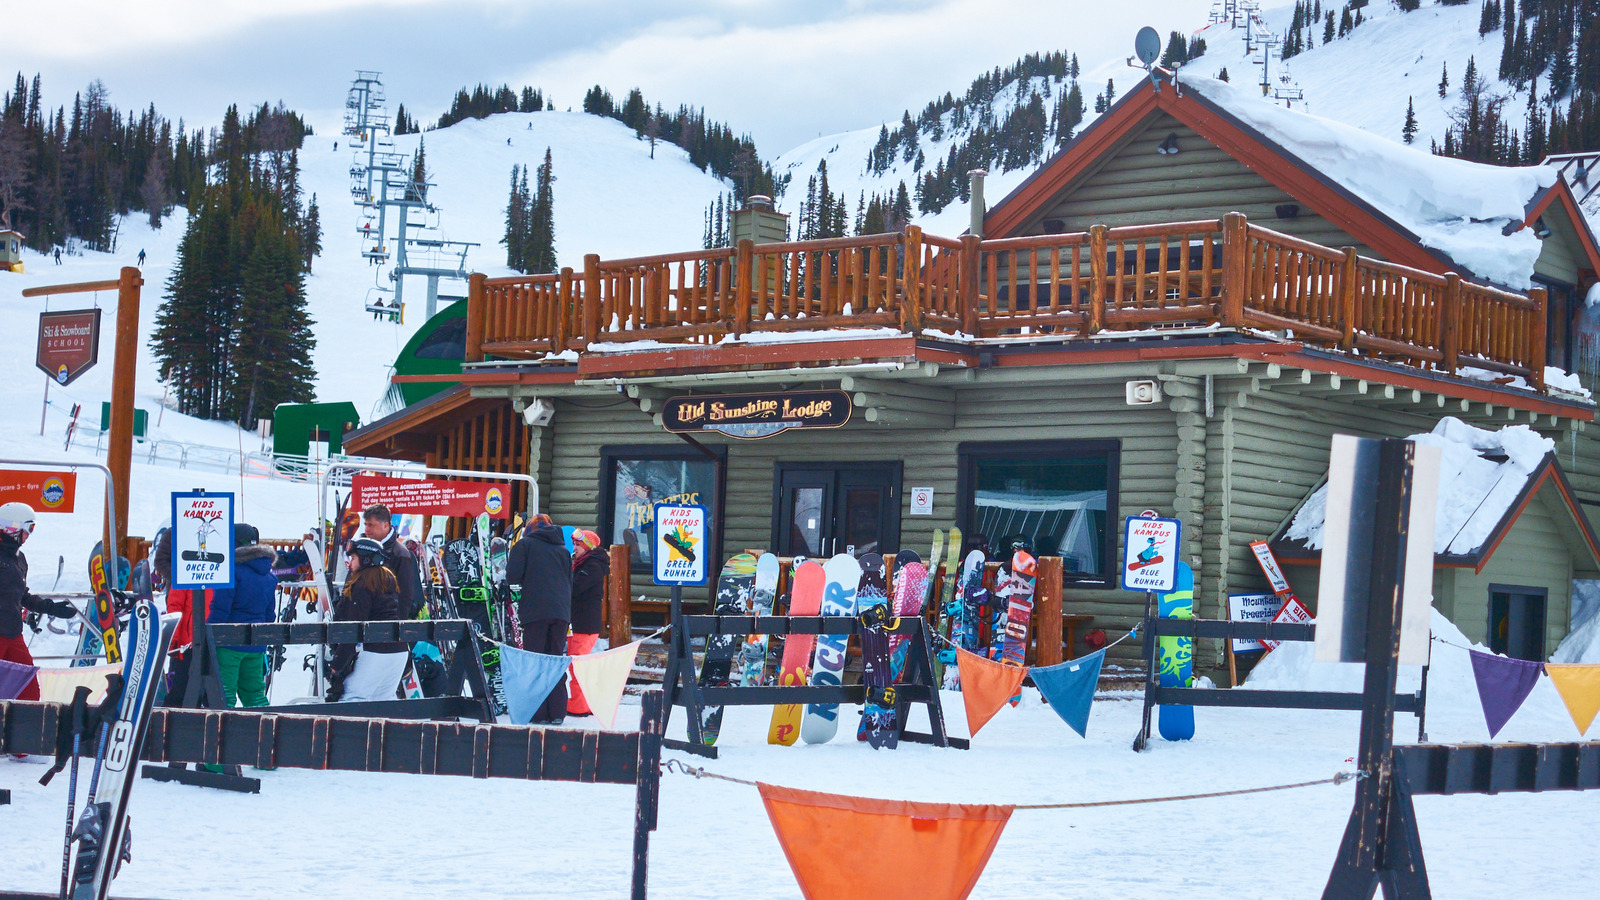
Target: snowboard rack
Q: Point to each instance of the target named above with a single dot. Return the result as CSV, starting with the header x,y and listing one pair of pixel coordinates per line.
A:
x,y
204,690
307,740
1156,694
682,687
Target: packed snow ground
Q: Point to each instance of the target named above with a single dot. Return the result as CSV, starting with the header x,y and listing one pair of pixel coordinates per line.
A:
x,y
322,834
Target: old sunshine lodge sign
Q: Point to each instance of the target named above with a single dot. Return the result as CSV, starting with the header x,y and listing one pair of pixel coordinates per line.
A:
x,y
756,415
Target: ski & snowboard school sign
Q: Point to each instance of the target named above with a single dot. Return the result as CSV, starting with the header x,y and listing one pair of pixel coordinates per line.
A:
x,y
202,540
1150,554
69,343
432,496
756,415
680,544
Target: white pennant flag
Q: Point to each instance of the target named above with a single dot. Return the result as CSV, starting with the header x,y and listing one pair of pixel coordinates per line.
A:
x,y
602,677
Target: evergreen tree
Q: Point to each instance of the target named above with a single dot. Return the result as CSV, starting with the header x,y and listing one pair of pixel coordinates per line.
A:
x,y
1408,5
516,236
1444,80
1409,130
541,257
1069,115
311,235
418,188
1327,29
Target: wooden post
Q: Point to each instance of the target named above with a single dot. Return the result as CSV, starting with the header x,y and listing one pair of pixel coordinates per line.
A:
x,y
971,302
1349,277
119,453
591,298
1449,319
619,611
911,281
1047,610
1097,280
1235,268
477,307
563,310
1541,300
744,286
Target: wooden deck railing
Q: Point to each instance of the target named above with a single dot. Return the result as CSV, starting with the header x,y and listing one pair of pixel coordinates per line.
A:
x,y
1224,272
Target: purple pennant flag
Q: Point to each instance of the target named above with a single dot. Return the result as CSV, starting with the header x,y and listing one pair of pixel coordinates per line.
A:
x,y
1503,684
13,678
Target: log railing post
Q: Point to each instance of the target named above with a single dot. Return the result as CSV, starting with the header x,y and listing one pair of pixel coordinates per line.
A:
x,y
563,311
1449,319
591,298
911,280
971,302
1235,268
1047,611
619,611
1349,276
744,287
1535,353
477,316
1096,320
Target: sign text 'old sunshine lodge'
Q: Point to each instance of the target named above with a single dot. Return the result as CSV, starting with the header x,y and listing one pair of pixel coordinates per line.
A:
x,y
756,415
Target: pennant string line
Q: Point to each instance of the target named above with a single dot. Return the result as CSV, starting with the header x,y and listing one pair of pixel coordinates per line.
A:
x,y
681,767
651,636
954,646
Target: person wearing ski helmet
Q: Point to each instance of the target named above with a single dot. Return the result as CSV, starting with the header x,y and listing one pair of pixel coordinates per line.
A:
x,y
591,566
16,523
367,671
542,567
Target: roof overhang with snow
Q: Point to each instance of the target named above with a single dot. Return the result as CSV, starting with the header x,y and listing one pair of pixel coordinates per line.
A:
x,y
1259,135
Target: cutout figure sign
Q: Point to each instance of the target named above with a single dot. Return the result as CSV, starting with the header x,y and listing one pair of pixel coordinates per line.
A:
x,y
680,544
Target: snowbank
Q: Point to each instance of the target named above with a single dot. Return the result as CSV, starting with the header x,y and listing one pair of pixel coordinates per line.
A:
x,y
1581,645
1474,491
1452,205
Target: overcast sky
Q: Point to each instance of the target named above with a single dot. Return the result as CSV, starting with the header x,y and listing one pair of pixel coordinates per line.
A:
x,y
783,71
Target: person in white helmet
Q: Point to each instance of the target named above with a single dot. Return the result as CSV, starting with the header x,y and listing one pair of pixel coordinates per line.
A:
x,y
16,523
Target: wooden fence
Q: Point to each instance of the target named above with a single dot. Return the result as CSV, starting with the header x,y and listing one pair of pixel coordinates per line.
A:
x,y
1225,272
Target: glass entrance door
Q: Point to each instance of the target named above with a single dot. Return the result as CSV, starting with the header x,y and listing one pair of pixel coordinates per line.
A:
x,y
821,510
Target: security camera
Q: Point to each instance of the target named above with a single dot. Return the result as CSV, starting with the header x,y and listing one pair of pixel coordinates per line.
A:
x,y
538,412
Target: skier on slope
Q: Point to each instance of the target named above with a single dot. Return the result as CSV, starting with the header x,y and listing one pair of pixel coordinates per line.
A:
x,y
373,671
541,565
591,565
16,523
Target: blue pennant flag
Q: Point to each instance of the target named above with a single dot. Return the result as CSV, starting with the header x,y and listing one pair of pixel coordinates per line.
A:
x,y
1069,688
528,679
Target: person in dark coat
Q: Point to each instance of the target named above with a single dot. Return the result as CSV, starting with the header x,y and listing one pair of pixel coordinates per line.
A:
x,y
16,523
378,524
253,598
542,566
368,671
591,566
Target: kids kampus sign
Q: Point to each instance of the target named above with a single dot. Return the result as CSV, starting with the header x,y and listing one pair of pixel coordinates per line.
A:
x,y
69,343
756,415
202,540
680,544
1150,554
432,496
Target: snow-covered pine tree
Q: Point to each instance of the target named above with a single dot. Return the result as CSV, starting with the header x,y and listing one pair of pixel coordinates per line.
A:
x,y
515,237
1444,80
541,256
1408,131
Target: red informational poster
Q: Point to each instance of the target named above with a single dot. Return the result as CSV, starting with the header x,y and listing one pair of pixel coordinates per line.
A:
x,y
432,496
1294,612
45,492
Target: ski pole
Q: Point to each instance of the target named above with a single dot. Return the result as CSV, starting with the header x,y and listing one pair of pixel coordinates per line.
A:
x,y
80,714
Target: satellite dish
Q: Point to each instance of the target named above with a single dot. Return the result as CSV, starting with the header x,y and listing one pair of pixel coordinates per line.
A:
x,y
1147,45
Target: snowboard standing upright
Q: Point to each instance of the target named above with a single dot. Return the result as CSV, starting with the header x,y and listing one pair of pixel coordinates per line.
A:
x,y
102,611
1176,655
872,605
734,586
944,603
753,655
1017,594
100,841
805,599
821,721
965,606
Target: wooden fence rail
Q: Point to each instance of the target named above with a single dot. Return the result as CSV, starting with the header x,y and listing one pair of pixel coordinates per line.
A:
x,y
1217,272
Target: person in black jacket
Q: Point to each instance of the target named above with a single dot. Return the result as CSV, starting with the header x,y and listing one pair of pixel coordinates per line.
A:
x,y
372,671
379,525
16,523
591,565
541,564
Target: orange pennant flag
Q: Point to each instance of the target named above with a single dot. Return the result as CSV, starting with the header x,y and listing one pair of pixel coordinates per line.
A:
x,y
939,849
986,686
1579,687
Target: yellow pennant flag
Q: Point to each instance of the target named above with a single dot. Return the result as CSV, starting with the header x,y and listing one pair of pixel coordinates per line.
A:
x,y
1579,687
57,685
602,677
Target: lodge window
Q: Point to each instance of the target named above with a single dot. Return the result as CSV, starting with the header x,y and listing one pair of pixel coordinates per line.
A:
x,y
1057,497
634,479
1516,620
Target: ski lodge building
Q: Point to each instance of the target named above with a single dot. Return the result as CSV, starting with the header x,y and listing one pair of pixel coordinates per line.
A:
x,y
1174,313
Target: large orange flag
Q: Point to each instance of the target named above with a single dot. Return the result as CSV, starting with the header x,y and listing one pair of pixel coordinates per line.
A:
x,y
939,849
986,686
1579,687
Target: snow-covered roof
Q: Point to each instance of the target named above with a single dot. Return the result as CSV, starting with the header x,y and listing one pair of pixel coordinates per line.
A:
x,y
1458,207
1481,476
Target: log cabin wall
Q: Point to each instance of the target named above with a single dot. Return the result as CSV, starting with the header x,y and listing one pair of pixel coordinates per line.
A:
x,y
488,437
